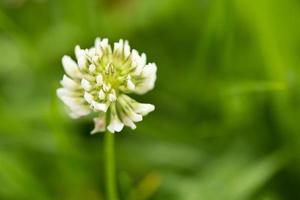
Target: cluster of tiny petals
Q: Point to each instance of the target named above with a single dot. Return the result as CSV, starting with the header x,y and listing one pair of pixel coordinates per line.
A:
x,y
99,81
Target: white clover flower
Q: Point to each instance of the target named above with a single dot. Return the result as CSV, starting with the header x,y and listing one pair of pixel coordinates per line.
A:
x,y
101,79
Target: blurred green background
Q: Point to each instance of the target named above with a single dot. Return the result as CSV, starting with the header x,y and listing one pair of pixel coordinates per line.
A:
x,y
226,125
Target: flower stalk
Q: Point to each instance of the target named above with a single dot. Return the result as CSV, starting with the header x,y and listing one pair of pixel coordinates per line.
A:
x,y
110,169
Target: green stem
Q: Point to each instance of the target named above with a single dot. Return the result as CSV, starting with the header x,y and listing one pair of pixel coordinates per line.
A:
x,y
110,169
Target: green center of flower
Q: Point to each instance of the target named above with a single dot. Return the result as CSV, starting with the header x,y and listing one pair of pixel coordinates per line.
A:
x,y
107,77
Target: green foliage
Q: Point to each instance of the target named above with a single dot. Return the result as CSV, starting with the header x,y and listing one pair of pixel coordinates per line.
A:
x,y
226,124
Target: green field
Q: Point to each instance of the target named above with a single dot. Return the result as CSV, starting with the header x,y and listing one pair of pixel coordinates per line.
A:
x,y
227,97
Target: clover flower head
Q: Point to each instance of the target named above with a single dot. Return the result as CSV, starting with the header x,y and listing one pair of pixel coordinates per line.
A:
x,y
100,80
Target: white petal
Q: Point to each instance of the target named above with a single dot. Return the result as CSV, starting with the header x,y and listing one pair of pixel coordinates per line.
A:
x,y
82,63
99,106
118,47
101,44
79,52
97,42
149,70
95,59
135,117
130,85
69,83
127,106
144,108
71,67
101,95
71,102
79,112
112,97
81,57
139,108
86,85
100,123
138,62
135,55
75,105
143,60
99,79
149,75
88,97
127,121
106,87
126,49
115,123
104,43
98,47
91,52
66,92
115,126
74,115
92,68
